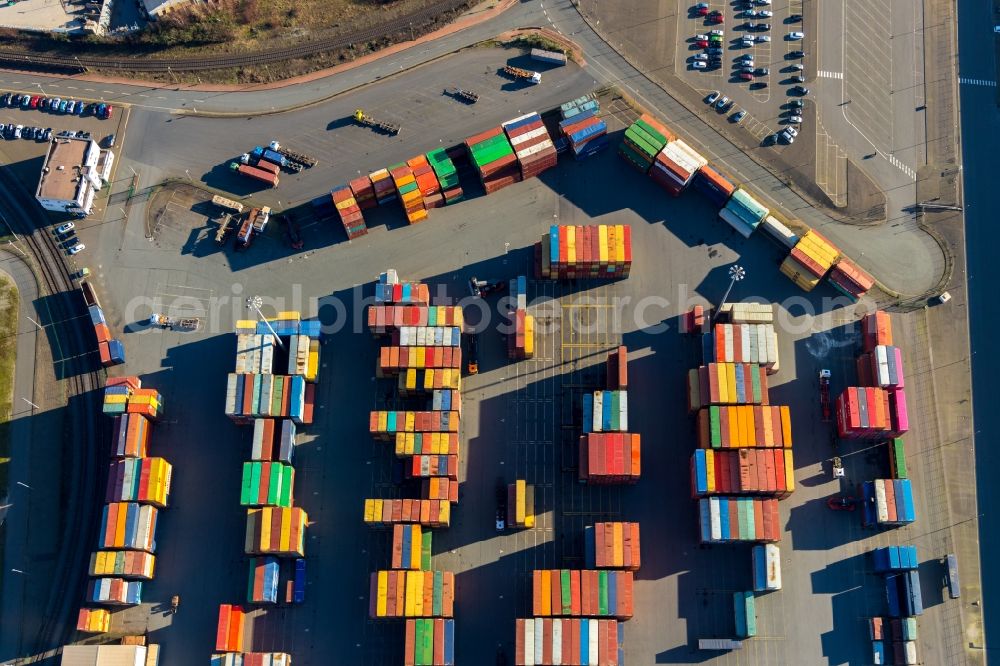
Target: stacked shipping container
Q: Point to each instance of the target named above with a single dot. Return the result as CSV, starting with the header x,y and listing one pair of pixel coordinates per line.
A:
x,y
850,279
644,139
586,593
447,175
727,384
493,158
411,593
728,427
888,502
427,182
276,531
521,340
600,251
766,559
810,260
675,166
612,546
742,472
725,519
743,212
429,642
409,193
894,640
568,642
349,212
520,504
743,343
252,659
93,621
532,145
142,480
585,132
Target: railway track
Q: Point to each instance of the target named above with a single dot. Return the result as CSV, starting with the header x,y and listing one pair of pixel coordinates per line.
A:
x,y
81,427
143,63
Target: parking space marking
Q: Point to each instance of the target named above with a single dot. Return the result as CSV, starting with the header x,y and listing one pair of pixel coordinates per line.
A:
x,y
829,75
867,72
977,82
831,167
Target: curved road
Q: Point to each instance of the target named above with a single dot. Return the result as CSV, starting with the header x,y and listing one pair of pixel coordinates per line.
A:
x,y
904,258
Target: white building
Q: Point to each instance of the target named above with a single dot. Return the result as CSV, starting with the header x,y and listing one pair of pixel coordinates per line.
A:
x,y
74,171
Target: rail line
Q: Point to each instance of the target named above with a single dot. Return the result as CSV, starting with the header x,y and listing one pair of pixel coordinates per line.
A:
x,y
143,63
81,429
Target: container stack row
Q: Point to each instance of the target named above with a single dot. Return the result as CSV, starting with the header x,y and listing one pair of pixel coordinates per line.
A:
x,y
349,212
766,562
653,149
727,384
894,640
598,251
493,158
584,132
612,546
267,483
743,343
421,353
137,489
734,519
580,105
605,411
888,502
732,427
608,452
427,182
252,659
568,642
582,593
742,472
447,175
408,192
810,260
532,144
521,339
520,504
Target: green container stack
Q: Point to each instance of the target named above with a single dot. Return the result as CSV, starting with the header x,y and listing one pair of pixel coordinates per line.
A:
x,y
446,174
267,484
493,158
643,140
745,608
897,458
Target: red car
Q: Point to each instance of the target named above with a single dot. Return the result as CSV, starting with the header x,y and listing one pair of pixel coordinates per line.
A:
x,y
702,11
34,102
746,76
702,44
716,17
108,112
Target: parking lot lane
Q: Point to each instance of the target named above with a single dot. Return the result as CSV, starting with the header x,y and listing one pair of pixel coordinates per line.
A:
x,y
868,71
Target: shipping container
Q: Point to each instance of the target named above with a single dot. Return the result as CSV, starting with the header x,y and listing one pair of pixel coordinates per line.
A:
x,y
714,185
766,559
566,642
93,621
728,519
430,513
588,593
601,251
410,593
276,531
609,458
612,546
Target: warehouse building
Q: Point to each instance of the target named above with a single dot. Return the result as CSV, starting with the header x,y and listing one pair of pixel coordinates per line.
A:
x,y
75,170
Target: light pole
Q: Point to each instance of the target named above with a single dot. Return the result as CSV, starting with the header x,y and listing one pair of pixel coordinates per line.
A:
x,y
736,273
39,85
255,302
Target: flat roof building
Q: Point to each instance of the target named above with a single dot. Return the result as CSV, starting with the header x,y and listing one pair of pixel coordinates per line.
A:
x,y
75,169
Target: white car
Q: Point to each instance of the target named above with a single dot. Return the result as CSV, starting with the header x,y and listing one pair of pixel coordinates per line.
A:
x,y
762,2
699,56
798,67
65,228
699,64
795,119
763,38
17,131
747,42
796,35
792,131
701,38
720,33
76,249
712,97
763,13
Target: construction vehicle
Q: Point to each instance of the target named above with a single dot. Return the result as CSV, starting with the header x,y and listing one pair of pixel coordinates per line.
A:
x,y
824,394
838,468
367,121
166,321
473,366
462,94
226,224
483,288
305,160
522,74
228,204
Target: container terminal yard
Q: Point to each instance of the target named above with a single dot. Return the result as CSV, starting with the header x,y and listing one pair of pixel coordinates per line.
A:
x,y
530,382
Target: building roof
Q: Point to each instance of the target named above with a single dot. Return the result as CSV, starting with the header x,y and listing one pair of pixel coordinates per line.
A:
x,y
41,16
103,655
159,7
61,174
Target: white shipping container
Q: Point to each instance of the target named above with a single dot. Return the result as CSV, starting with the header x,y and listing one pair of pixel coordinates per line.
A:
x,y
553,57
744,344
736,222
881,507
780,232
231,383
623,411
557,638
257,448
773,564
266,385
535,149
728,338
713,505
772,350
505,124
539,642
910,647
883,378
592,639
529,642
528,136
598,410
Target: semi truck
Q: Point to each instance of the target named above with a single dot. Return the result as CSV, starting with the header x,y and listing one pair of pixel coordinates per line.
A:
x,y
463,95
305,160
522,74
227,204
254,224
256,173
166,321
260,153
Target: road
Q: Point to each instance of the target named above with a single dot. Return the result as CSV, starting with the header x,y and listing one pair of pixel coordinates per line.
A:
x,y
980,143
17,565
903,257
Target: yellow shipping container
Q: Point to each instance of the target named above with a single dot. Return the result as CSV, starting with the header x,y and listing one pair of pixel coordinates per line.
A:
x,y
383,421
285,540
789,471
265,529
620,239
618,545
786,426
529,336
408,421
546,592
710,469
570,244
410,609
529,506
768,431
519,501
417,542
602,243
429,379
115,399
369,510
382,594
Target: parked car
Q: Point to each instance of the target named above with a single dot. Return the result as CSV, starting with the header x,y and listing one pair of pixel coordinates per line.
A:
x,y
746,76
716,17
745,56
34,102
763,38
78,248
109,111
44,103
750,13
17,131
795,119
65,228
99,110
800,90
109,141
5,100
25,101
763,13
699,38
714,50
81,108
796,35
699,56
716,33
54,104
702,11
712,97
47,134
796,104
699,64
798,78
762,2
739,116
762,71
702,43
797,67
723,103
763,27
796,54
701,5
62,105
794,18
758,85
747,42
792,131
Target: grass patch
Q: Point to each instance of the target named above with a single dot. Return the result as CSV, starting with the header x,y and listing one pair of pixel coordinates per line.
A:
x,y
8,353
536,42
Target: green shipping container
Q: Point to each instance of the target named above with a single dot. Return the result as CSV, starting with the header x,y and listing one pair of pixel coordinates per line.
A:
x,y
655,138
425,551
715,427
257,388
277,396
745,609
602,593
285,499
274,485
438,587
409,187
565,590
641,142
897,458
640,162
755,383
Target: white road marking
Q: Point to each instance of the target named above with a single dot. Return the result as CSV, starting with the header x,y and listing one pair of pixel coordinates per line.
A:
x,y
830,75
89,89
977,82
902,167
70,88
